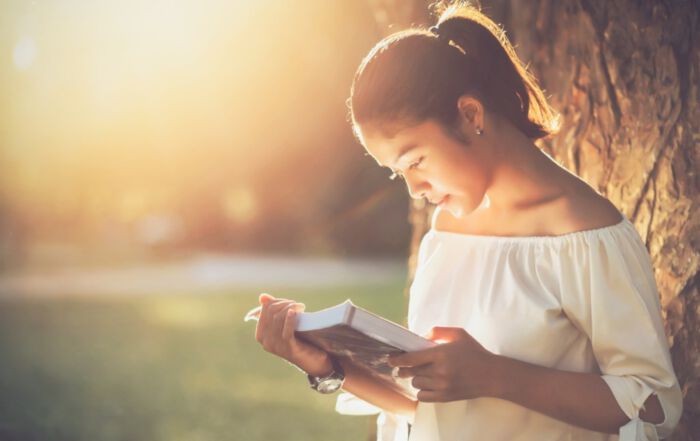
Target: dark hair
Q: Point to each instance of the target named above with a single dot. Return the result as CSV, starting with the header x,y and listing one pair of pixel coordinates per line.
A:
x,y
414,75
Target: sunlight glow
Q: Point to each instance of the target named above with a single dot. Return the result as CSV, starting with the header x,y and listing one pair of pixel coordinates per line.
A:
x,y
24,53
240,205
150,123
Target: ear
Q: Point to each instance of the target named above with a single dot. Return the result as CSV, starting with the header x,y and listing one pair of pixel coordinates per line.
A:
x,y
471,111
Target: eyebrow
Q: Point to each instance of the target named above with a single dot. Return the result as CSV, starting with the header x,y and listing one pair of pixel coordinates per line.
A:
x,y
405,149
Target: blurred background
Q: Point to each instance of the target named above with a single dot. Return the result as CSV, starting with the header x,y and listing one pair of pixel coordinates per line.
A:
x,y
162,163
133,129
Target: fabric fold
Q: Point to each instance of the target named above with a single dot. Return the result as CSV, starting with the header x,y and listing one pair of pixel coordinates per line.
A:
x,y
638,430
390,427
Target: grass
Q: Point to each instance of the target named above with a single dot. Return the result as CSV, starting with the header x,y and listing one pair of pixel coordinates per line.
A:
x,y
173,368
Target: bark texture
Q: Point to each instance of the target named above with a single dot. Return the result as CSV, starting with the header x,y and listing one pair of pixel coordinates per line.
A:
x,y
625,76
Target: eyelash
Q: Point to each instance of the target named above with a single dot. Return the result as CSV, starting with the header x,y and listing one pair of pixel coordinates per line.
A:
x,y
415,164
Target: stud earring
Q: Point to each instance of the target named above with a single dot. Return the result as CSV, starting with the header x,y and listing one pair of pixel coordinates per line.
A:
x,y
479,131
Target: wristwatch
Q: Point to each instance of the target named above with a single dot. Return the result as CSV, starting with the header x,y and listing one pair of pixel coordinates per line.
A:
x,y
331,382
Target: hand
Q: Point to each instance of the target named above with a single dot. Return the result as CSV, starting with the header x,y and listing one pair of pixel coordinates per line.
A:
x,y
458,369
275,332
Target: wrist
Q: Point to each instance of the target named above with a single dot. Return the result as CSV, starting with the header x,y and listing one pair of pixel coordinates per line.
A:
x,y
502,376
330,382
322,368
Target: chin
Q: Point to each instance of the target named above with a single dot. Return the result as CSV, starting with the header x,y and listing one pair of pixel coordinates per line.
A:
x,y
457,212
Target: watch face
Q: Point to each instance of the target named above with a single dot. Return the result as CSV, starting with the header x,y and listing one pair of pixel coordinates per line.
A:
x,y
329,385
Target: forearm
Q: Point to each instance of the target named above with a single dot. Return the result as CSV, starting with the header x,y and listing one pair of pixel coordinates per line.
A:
x,y
367,388
580,399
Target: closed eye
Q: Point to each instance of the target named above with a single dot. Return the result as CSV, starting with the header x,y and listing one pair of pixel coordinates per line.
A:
x,y
416,163
398,174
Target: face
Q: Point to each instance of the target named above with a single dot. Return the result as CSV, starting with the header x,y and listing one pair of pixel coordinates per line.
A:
x,y
435,165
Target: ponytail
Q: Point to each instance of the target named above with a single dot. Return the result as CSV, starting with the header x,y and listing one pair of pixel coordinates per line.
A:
x,y
416,74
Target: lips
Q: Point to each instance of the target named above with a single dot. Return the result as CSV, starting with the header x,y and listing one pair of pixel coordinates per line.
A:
x,y
440,201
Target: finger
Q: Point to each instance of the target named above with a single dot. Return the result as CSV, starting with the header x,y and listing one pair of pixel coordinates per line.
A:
x,y
278,309
265,298
280,317
266,301
284,303
263,318
298,307
278,305
289,324
415,358
266,317
290,320
445,334
272,329
261,324
407,372
424,383
278,301
429,396
273,308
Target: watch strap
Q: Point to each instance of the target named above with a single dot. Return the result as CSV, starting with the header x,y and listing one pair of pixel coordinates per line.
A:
x,y
329,383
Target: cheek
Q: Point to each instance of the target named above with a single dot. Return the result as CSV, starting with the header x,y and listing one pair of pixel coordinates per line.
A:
x,y
467,179
467,186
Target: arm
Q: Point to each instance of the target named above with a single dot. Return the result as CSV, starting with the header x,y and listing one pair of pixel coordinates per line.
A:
x,y
462,369
275,332
367,388
581,399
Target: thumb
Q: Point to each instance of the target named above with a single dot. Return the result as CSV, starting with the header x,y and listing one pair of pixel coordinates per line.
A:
x,y
445,334
265,298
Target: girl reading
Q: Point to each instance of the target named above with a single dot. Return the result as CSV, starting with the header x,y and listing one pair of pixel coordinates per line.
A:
x,y
539,290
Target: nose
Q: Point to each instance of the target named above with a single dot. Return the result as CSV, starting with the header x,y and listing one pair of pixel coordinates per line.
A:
x,y
417,188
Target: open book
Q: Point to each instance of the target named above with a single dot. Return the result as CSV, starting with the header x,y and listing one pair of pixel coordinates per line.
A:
x,y
366,339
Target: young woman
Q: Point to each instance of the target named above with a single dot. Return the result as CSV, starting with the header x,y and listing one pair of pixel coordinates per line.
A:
x,y
540,291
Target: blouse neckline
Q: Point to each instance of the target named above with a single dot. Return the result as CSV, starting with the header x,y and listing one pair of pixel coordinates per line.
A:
x,y
622,223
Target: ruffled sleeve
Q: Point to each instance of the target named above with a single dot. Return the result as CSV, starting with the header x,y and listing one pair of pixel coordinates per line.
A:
x,y
390,427
609,292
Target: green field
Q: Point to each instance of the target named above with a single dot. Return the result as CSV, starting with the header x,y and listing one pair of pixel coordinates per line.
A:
x,y
164,368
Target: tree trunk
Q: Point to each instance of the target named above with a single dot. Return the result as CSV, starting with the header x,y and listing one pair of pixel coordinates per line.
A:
x,y
625,76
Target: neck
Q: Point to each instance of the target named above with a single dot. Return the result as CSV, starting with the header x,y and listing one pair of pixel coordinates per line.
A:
x,y
523,176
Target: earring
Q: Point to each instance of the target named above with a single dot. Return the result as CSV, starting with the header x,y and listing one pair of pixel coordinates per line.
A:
x,y
479,131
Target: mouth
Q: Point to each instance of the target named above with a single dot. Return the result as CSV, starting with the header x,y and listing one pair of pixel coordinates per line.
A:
x,y
441,201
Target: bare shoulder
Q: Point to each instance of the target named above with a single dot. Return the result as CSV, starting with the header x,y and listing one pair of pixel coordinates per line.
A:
x,y
586,209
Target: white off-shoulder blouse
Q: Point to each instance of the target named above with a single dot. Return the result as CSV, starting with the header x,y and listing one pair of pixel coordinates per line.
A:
x,y
582,302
